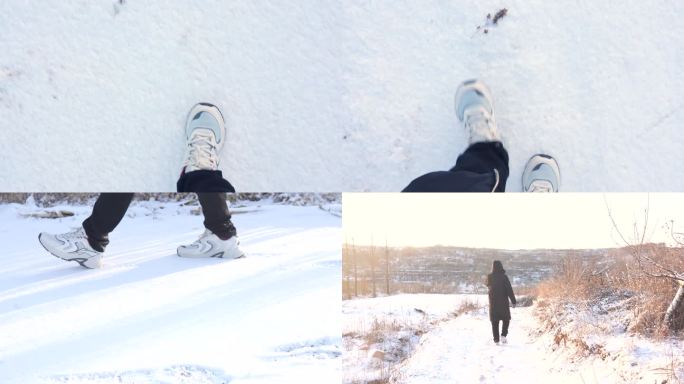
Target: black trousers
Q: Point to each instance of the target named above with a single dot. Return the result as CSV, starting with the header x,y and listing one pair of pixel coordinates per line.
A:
x,y
203,181
504,328
483,167
110,208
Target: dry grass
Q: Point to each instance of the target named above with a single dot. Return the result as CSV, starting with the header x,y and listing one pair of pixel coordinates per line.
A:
x,y
589,298
466,305
586,284
385,342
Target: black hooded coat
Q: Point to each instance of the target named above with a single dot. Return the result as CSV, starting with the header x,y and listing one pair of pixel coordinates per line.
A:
x,y
500,291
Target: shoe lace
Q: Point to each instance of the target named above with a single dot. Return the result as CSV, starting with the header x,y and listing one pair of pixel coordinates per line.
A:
x,y
202,152
76,233
479,124
541,186
204,235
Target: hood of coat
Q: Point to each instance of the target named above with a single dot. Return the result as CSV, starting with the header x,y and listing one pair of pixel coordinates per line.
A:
x,y
497,267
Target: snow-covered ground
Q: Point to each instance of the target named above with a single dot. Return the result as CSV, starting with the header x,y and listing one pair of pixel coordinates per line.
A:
x,y
151,317
460,350
342,95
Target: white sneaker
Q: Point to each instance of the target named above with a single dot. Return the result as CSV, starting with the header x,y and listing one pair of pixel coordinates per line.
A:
x,y
541,174
209,245
503,340
474,110
205,132
72,246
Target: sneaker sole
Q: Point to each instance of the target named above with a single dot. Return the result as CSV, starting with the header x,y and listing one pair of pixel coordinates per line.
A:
x,y
80,260
219,255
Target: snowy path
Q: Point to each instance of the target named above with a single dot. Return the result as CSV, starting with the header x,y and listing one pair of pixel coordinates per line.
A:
x,y
151,317
330,95
461,351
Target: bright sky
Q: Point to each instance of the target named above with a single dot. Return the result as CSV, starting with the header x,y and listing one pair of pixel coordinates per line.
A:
x,y
506,221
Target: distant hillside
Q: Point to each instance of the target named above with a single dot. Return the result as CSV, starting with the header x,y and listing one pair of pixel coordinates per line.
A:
x,y
370,271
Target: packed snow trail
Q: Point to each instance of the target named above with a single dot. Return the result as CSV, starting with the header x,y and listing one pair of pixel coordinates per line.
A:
x,y
359,92
462,351
151,317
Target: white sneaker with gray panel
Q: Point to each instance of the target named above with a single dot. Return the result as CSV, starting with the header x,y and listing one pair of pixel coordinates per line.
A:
x,y
541,174
205,132
72,246
211,246
474,109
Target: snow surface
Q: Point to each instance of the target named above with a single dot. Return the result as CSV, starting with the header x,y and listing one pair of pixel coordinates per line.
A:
x,y
328,95
460,350
151,317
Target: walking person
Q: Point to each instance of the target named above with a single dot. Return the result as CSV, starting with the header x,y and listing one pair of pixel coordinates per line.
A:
x,y
205,134
483,167
500,291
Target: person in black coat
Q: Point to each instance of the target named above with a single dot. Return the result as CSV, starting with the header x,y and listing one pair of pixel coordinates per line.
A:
x,y
500,291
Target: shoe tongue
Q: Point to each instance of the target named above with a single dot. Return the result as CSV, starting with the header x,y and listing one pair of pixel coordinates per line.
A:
x,y
205,133
480,126
478,122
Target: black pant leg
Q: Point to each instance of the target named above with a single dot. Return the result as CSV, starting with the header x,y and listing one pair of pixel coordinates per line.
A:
x,y
484,157
203,181
474,172
504,328
216,214
495,330
107,213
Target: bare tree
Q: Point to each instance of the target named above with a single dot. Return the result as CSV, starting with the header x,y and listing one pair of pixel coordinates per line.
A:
x,y
648,263
387,269
372,265
356,271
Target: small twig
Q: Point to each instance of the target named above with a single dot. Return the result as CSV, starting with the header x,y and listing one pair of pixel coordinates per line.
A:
x,y
499,15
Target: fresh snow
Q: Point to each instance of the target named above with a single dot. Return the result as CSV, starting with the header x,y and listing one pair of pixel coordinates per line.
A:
x,y
461,350
151,317
329,95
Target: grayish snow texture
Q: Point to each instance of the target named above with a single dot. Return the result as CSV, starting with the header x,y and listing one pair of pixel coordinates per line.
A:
x,y
337,95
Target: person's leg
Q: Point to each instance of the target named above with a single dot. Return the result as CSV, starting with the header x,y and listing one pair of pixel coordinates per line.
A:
x,y
204,181
107,213
205,132
495,330
217,215
220,237
483,167
504,327
85,245
485,157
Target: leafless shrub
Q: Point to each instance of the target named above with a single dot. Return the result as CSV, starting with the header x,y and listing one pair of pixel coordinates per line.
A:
x,y
466,305
659,262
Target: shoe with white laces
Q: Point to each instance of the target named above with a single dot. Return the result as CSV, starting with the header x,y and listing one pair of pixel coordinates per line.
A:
x,y
474,109
541,174
209,245
72,246
205,132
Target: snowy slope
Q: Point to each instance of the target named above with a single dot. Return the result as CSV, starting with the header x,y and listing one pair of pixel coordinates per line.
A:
x,y
460,350
151,317
341,95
